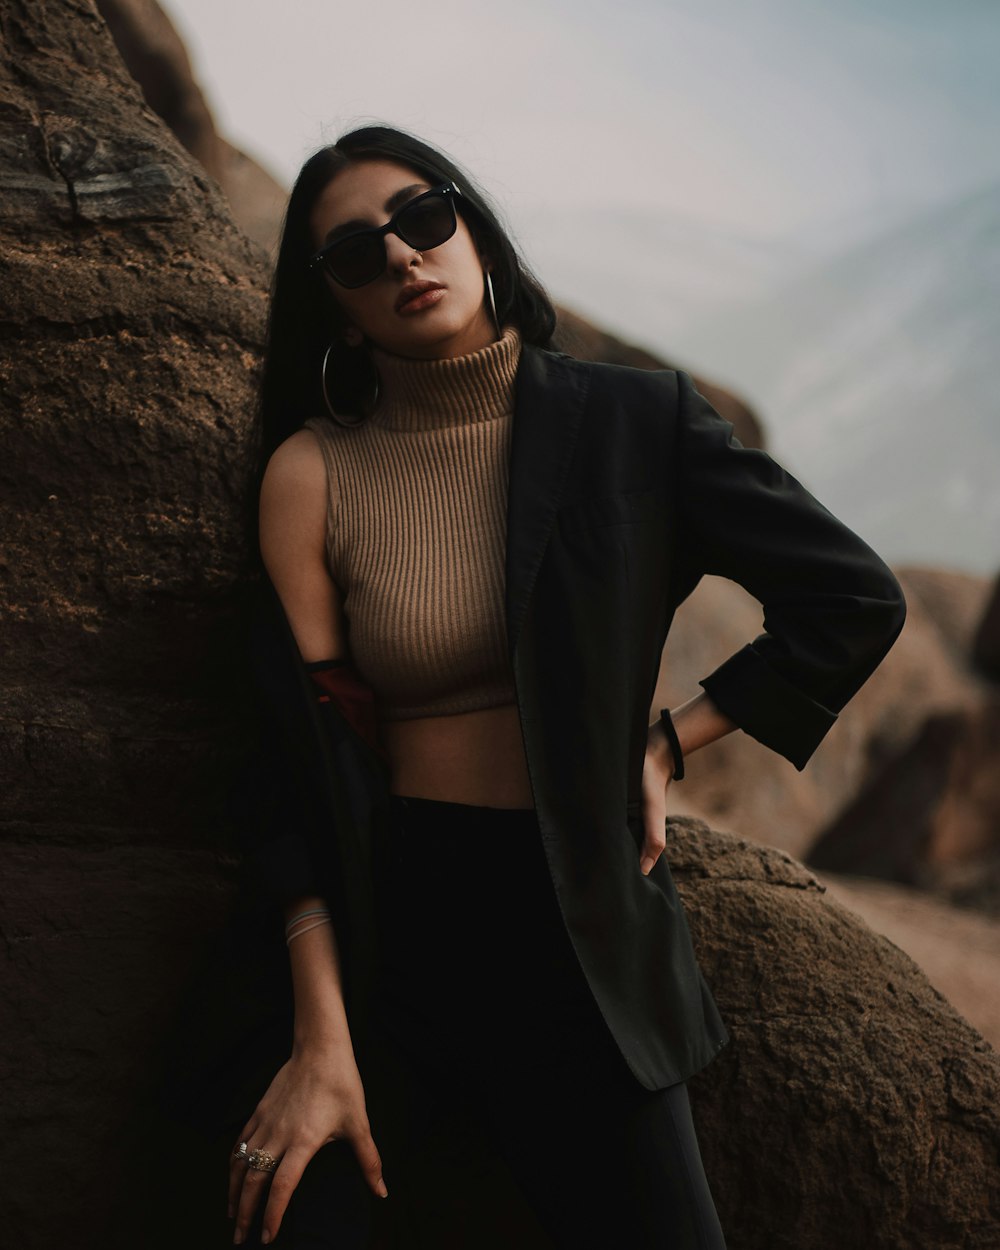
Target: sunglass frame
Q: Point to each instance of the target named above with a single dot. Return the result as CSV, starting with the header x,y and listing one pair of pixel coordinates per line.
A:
x,y
321,258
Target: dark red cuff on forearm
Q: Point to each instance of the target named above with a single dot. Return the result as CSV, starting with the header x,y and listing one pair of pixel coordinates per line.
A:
x,y
338,681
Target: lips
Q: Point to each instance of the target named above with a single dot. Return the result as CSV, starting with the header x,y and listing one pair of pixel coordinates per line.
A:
x,y
413,290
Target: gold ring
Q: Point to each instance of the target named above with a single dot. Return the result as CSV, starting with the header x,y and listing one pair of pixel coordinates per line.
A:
x,y
261,1161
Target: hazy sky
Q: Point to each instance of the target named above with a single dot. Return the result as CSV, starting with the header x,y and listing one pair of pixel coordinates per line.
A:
x,y
768,117
666,165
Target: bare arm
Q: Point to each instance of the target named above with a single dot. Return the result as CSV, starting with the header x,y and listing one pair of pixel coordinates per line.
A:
x,y
320,1019
698,722
317,1096
293,506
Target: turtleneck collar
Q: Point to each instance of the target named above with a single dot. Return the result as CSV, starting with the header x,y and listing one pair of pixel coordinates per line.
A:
x,y
429,394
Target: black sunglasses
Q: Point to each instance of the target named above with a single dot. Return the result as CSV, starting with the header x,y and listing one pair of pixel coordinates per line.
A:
x,y
426,221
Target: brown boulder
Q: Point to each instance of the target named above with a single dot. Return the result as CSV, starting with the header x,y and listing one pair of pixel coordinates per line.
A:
x,y
156,58
927,813
889,1131
931,816
957,603
133,315
957,949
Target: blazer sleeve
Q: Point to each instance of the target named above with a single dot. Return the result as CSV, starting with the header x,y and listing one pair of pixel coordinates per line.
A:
x,y
274,802
316,797
832,607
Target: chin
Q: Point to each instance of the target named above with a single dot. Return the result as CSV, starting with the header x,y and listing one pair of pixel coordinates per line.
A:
x,y
430,332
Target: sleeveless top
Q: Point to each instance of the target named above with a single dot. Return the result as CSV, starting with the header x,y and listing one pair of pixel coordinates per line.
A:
x,y
416,530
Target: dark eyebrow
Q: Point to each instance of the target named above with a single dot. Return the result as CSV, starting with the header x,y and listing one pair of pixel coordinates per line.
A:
x,y
405,193
390,206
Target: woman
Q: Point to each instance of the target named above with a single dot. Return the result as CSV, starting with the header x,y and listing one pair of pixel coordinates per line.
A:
x,y
467,532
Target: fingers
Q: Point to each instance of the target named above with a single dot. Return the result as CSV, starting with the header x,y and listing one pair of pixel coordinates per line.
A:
x,y
238,1165
283,1184
284,1180
251,1191
656,778
654,839
369,1159
248,1184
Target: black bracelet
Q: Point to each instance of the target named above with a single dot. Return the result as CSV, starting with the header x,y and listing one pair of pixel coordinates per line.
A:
x,y
668,726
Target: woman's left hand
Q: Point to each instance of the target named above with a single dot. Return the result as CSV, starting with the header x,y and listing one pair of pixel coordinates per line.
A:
x,y
657,771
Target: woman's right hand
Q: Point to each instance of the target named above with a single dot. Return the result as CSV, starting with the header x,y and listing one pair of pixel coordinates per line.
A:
x,y
317,1097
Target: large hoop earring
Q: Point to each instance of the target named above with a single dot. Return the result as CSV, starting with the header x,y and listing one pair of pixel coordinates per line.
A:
x,y
326,394
493,303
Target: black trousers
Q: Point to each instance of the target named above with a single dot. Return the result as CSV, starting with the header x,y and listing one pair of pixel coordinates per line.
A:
x,y
517,1120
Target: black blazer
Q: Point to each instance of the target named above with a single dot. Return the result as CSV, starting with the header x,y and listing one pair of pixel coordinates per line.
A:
x,y
626,486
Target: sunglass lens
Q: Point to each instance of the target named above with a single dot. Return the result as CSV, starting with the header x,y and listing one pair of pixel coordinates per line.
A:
x,y
428,222
356,261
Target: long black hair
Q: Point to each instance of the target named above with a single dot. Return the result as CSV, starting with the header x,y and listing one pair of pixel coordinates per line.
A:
x,y
305,318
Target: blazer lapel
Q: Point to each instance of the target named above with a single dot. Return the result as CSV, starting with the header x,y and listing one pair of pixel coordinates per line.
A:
x,y
549,396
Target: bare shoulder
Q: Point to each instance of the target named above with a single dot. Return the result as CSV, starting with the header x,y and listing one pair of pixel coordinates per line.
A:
x,y
294,491
293,514
293,507
296,465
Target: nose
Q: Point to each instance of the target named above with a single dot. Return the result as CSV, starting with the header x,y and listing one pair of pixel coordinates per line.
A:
x,y
399,255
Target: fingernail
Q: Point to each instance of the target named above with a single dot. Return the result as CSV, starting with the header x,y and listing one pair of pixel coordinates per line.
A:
x,y
645,864
382,1189
230,1211
238,1237
265,1237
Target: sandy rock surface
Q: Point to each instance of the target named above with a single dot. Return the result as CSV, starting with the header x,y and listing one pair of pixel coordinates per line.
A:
x,y
133,316
889,1134
155,56
959,950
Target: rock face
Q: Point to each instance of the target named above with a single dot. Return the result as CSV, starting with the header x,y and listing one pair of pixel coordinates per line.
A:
x,y
958,949
931,816
158,61
132,320
889,1133
958,604
928,811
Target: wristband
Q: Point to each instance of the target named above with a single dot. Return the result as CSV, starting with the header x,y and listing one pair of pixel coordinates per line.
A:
x,y
307,928
314,911
338,682
675,747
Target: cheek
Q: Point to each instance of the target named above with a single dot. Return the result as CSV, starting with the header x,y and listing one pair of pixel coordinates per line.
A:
x,y
465,265
461,248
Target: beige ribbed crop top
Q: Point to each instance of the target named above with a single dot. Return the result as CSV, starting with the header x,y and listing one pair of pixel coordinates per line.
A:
x,y
416,530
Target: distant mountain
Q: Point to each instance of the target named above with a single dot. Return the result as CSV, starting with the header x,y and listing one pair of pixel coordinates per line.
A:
x,y
875,377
